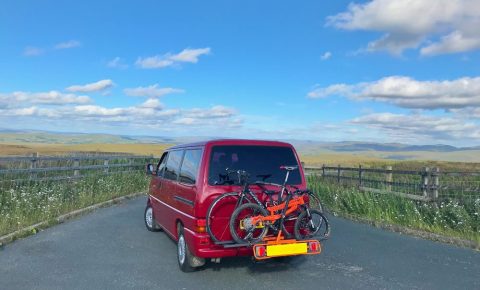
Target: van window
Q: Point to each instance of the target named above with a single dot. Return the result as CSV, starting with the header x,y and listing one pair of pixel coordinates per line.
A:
x,y
261,162
190,164
173,164
161,164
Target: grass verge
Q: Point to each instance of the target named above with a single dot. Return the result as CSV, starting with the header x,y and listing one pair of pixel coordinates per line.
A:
x,y
28,203
448,218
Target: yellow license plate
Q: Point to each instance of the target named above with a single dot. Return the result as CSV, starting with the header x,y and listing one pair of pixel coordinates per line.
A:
x,y
286,249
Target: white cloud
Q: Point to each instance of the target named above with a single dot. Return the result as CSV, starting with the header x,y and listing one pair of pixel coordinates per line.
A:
x,y
67,44
438,27
326,55
212,113
332,90
117,62
190,55
166,60
153,91
32,51
409,93
47,98
411,127
92,87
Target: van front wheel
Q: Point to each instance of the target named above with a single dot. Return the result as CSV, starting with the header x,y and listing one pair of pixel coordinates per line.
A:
x,y
149,219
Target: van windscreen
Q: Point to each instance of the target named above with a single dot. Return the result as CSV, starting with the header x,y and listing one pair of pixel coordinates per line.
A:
x,y
261,162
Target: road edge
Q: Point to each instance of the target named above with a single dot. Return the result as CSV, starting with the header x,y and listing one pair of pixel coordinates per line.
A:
x,y
33,229
412,232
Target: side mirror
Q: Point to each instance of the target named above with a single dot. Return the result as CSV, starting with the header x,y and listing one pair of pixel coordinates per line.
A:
x,y
150,169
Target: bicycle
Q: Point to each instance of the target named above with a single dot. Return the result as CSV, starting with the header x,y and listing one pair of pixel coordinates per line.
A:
x,y
250,222
219,211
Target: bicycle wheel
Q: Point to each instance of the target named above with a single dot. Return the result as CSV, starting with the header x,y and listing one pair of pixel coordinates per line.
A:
x,y
315,203
308,226
241,226
218,216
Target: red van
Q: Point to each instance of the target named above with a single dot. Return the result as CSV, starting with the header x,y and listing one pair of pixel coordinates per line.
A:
x,y
188,178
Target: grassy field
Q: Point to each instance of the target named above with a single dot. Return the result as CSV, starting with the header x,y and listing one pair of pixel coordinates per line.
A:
x,y
63,149
448,218
29,202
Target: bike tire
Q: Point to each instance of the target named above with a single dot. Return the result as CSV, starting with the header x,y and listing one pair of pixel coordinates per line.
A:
x,y
315,203
214,207
303,229
258,233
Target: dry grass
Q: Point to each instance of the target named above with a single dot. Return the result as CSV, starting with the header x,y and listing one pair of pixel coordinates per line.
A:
x,y
62,149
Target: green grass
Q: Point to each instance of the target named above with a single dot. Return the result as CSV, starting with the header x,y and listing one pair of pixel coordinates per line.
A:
x,y
27,203
447,218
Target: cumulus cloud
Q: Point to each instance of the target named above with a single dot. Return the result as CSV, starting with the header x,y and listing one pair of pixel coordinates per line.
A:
x,y
91,87
409,127
117,62
410,93
67,44
160,61
326,55
47,98
212,113
153,91
32,51
437,27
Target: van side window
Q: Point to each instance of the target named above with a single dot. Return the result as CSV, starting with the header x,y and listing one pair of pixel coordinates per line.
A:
x,y
173,164
161,164
190,165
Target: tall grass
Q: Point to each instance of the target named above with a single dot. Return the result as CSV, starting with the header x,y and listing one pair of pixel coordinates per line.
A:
x,y
446,218
26,203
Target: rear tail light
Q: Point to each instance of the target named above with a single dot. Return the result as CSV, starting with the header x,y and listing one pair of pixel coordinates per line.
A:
x,y
260,251
201,226
313,247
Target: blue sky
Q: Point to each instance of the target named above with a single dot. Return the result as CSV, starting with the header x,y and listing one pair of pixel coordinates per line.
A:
x,y
318,70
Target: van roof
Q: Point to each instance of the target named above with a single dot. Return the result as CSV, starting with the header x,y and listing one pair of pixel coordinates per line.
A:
x,y
231,142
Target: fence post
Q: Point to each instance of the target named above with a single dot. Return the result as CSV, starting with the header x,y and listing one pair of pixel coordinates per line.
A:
x,y
76,163
338,174
130,162
425,175
105,164
359,175
436,183
33,165
323,170
389,178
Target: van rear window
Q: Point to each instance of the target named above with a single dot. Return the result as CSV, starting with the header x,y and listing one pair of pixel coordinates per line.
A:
x,y
261,162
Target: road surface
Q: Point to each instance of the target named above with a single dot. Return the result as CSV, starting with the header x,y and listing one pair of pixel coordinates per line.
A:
x,y
111,249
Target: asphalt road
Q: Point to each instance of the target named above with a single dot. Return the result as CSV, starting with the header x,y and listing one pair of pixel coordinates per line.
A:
x,y
111,249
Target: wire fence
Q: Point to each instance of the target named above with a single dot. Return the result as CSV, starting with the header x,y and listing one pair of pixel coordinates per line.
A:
x,y
37,168
427,184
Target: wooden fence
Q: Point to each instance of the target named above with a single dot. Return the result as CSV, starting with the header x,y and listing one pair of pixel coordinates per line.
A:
x,y
428,184
43,168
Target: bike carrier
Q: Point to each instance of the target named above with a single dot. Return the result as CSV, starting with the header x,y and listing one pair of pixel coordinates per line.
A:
x,y
278,246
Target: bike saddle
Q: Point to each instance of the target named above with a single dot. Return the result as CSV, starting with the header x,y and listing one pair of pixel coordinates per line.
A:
x,y
289,168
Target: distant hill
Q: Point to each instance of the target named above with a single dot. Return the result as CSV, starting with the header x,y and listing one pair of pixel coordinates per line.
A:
x,y
321,151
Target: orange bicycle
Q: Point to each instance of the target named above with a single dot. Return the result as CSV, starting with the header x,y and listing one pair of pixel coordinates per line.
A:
x,y
250,222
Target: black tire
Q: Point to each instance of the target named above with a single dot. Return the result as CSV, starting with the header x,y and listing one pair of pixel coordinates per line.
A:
x,y
253,234
304,230
149,220
315,203
184,256
222,221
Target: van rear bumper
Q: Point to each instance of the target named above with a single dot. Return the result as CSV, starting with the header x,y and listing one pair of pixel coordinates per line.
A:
x,y
202,246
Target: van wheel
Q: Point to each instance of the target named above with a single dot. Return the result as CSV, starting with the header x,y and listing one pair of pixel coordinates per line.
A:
x,y
149,219
186,261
